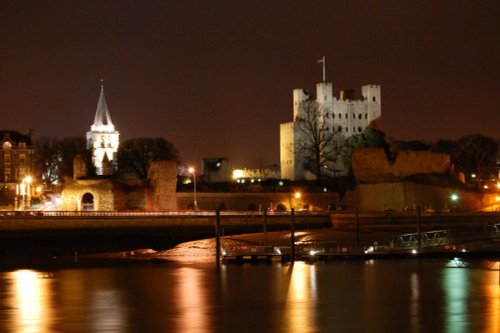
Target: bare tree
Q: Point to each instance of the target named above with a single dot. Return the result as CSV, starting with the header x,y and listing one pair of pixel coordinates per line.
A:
x,y
135,155
320,144
54,158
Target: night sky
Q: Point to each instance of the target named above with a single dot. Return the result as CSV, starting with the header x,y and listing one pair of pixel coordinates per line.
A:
x,y
216,77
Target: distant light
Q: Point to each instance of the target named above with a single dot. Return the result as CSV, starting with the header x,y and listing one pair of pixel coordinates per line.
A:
x,y
191,170
473,175
280,183
498,185
485,186
313,252
464,250
325,189
497,198
238,173
414,251
454,197
298,195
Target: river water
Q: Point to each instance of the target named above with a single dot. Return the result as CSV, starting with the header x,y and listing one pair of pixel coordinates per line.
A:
x,y
335,296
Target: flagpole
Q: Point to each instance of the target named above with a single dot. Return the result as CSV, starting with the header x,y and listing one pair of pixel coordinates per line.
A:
x,y
324,69
323,61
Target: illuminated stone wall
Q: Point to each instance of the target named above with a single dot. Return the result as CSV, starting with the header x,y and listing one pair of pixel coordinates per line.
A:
x,y
370,165
345,116
258,201
401,196
156,193
161,194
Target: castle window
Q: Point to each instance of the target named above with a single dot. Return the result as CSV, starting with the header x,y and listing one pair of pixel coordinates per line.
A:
x,y
22,158
373,99
7,158
333,115
366,115
354,129
359,117
22,145
340,128
347,129
353,116
340,115
360,129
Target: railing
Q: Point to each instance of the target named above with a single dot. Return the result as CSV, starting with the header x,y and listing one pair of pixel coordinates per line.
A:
x,y
154,213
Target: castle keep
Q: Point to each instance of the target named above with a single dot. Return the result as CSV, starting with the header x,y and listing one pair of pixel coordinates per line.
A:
x,y
344,116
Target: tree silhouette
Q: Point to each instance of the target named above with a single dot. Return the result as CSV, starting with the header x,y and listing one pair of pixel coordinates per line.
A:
x,y
135,155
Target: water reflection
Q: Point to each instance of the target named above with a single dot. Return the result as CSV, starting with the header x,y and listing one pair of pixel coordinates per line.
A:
x,y
301,299
492,290
381,296
191,301
30,299
414,302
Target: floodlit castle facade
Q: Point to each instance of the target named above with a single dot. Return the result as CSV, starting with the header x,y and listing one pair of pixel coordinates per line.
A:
x,y
103,139
345,116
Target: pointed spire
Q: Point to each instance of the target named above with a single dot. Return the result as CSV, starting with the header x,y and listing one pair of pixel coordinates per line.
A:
x,y
102,120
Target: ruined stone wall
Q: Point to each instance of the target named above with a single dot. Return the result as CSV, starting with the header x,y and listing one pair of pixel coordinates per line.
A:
x,y
370,165
161,191
101,190
258,201
408,196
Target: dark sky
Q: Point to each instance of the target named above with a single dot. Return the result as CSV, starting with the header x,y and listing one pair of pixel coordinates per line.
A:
x,y
216,77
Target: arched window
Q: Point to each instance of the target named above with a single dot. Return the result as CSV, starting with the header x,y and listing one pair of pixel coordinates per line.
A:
x,y
88,202
281,208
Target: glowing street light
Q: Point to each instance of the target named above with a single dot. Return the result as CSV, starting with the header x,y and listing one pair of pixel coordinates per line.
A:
x,y
25,191
193,171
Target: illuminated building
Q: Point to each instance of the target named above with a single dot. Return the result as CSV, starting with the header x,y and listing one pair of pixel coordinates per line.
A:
x,y
343,116
17,158
103,139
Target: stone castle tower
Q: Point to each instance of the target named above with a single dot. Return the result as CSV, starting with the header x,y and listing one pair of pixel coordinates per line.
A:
x,y
103,139
344,115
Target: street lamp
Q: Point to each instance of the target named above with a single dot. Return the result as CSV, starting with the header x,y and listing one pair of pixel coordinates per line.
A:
x,y
193,171
24,189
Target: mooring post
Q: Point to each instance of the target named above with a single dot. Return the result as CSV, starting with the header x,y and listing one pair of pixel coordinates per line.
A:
x,y
217,236
419,237
292,232
265,227
357,227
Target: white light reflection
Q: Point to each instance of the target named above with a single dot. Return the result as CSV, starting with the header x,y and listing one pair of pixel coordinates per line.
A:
x,y
456,288
415,301
30,300
107,311
301,299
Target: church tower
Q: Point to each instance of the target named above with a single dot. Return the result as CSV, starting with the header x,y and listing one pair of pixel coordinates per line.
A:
x,y
102,139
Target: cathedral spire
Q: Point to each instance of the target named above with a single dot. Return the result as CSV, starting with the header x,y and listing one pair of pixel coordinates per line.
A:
x,y
102,120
